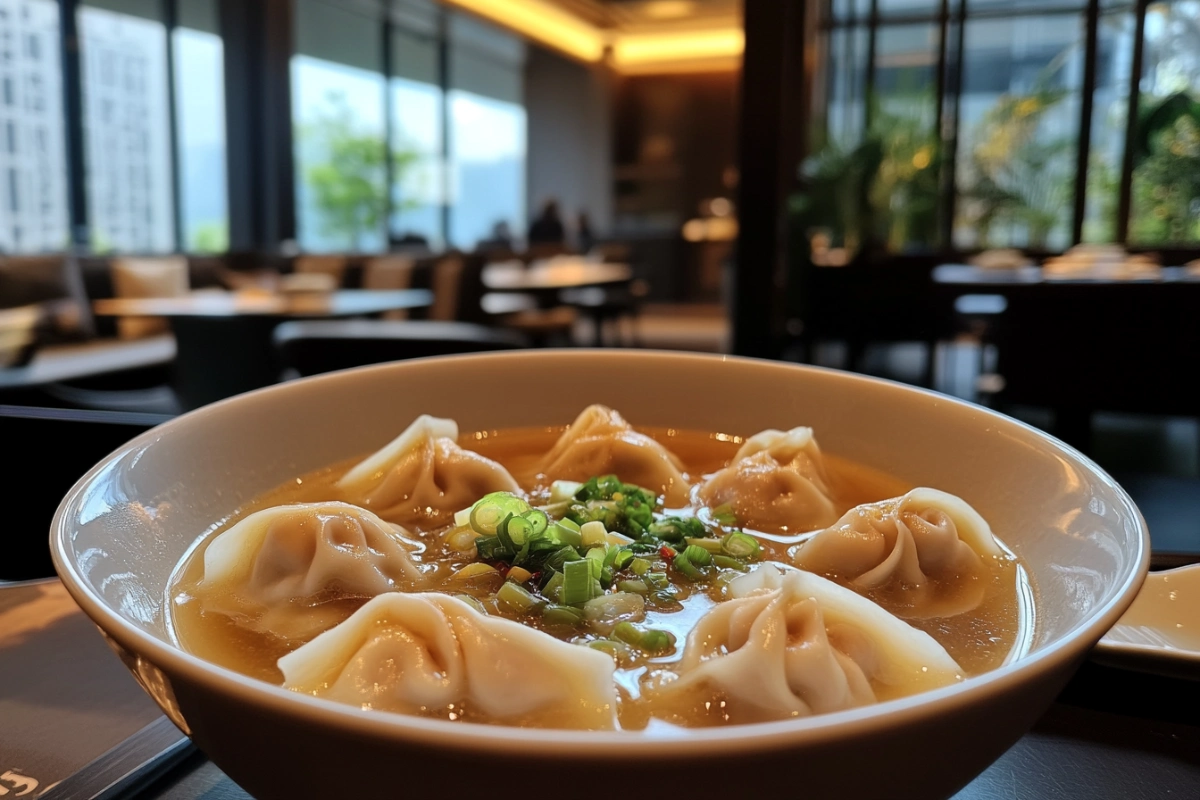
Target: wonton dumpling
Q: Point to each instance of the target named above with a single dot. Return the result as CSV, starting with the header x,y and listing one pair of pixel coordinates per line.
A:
x,y
275,564
423,652
423,476
793,644
775,483
896,546
601,442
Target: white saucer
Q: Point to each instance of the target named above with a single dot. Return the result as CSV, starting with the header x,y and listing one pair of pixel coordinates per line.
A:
x,y
1160,632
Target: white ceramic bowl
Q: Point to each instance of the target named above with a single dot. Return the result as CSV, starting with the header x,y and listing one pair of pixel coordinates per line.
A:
x,y
122,529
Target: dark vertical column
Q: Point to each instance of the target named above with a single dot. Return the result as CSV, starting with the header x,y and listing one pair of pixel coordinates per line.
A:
x,y
258,122
388,122
1125,199
72,78
444,79
869,90
170,17
945,183
772,115
1092,21
954,81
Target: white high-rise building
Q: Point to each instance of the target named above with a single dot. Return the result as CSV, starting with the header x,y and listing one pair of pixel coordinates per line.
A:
x,y
33,174
127,123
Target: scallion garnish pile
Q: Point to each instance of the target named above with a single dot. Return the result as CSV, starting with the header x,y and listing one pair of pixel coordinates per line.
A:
x,y
597,556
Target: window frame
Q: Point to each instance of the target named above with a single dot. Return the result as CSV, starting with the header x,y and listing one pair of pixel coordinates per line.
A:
x,y
951,17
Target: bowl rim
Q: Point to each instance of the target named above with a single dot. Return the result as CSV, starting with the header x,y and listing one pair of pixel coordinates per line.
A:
x,y
547,743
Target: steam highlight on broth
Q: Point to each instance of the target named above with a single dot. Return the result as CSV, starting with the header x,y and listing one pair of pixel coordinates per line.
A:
x,y
603,577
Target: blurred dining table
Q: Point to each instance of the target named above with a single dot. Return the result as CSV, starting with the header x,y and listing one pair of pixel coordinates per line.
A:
x,y
1081,342
548,280
223,339
563,281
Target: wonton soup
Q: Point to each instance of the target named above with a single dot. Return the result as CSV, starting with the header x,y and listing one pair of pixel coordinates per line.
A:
x,y
603,577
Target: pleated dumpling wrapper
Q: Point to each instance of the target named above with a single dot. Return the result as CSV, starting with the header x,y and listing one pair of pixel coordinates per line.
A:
x,y
435,655
776,483
423,476
276,568
601,442
792,644
923,554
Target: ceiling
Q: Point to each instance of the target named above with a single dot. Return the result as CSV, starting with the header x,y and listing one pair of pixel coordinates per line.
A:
x,y
657,14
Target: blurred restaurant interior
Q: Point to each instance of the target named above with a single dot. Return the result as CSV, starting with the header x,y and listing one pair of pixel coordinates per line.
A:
x,y
996,200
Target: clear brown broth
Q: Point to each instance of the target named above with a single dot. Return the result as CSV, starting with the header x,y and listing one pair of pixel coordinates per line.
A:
x,y
979,641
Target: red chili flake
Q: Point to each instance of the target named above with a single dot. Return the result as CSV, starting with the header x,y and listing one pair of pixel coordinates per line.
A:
x,y
503,568
534,578
666,552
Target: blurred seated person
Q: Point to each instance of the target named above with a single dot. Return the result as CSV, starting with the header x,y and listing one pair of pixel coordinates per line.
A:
x,y
501,240
408,241
548,227
584,237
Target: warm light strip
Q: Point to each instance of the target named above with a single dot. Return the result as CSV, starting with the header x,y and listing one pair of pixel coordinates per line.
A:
x,y
542,22
644,50
633,53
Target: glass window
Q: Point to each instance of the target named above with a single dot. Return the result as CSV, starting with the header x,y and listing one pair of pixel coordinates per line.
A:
x,y
126,122
1110,103
200,127
847,85
1165,206
338,119
1018,131
903,122
34,216
416,106
487,133
908,8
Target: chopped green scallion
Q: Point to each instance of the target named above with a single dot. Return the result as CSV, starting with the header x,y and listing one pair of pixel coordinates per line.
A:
x,y
741,545
697,555
618,650
516,598
553,586
637,587
623,559
561,615
684,566
711,545
657,580
728,562
577,582
650,640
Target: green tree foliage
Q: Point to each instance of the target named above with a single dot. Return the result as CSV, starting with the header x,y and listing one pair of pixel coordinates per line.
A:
x,y
1166,178
882,192
1015,176
209,237
348,182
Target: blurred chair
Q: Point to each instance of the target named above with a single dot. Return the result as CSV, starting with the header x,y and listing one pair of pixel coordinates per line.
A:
x,y
447,284
390,273
611,304
55,284
611,252
162,276
544,326
543,250
316,346
332,265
